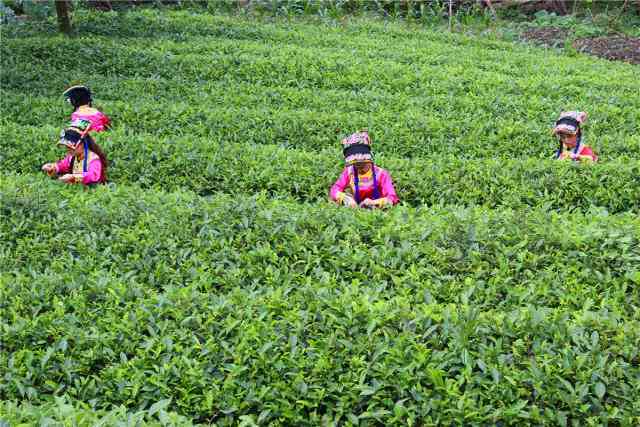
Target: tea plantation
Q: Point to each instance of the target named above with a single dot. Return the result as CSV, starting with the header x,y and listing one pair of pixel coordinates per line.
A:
x,y
212,283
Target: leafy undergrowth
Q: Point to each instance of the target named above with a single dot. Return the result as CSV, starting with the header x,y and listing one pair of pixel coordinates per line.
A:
x,y
213,283
306,176
61,413
242,305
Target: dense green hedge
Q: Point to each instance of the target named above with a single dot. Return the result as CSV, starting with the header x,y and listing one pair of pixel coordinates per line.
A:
x,y
419,92
316,120
29,208
212,280
62,413
236,167
239,305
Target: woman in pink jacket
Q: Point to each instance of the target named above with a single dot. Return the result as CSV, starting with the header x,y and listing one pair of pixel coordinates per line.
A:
x,y
80,98
572,146
85,161
362,183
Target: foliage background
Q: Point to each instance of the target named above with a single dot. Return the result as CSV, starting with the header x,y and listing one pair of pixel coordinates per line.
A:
x,y
211,282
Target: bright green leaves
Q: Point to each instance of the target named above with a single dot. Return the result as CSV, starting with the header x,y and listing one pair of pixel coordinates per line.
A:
x,y
272,310
214,281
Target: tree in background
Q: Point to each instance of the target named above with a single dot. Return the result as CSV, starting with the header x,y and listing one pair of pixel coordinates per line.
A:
x,y
62,10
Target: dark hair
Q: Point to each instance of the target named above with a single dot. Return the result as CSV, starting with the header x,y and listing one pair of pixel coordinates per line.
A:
x,y
356,181
93,146
79,97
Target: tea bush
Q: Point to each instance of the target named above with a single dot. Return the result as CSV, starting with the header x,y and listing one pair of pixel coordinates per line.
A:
x,y
234,303
207,167
211,281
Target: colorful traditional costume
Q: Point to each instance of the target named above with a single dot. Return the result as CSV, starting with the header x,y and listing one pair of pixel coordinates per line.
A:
x,y
91,169
376,184
80,98
569,124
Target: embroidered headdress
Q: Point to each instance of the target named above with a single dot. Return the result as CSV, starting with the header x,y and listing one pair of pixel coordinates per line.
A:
x,y
70,137
569,122
357,148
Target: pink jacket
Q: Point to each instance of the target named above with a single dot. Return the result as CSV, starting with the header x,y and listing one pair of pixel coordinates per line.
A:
x,y
99,121
93,175
365,185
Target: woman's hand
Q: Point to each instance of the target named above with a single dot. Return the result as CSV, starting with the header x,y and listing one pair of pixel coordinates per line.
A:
x,y
368,203
349,201
378,203
49,169
69,178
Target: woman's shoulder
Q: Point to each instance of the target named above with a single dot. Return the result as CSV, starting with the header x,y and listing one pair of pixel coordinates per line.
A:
x,y
85,110
96,118
586,149
92,156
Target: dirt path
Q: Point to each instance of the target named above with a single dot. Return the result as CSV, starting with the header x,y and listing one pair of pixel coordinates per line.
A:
x,y
614,47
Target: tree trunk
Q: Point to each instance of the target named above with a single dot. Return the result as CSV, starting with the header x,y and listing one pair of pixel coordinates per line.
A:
x,y
62,10
560,7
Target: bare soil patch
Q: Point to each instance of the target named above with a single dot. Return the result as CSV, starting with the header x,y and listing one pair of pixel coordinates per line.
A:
x,y
615,47
546,36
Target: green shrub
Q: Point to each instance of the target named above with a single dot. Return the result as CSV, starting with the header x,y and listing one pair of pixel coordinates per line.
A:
x,y
60,412
242,306
212,282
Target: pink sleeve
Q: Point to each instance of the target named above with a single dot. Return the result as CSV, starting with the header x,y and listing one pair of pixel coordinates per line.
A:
x,y
587,151
99,120
64,165
93,173
386,185
339,185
